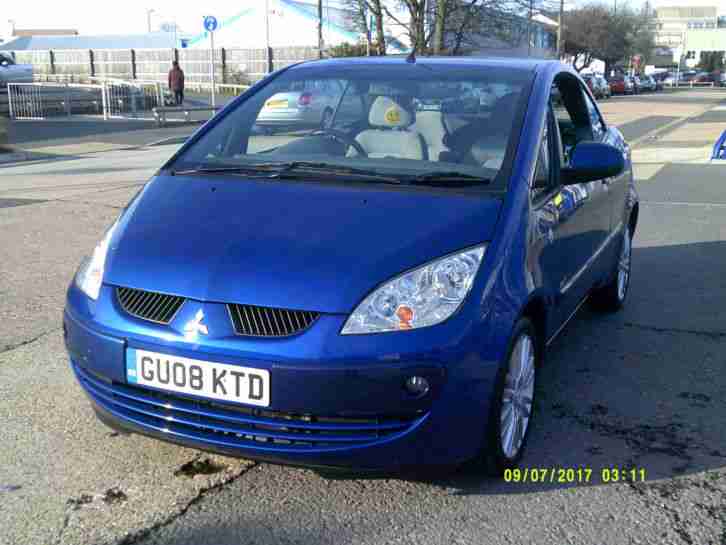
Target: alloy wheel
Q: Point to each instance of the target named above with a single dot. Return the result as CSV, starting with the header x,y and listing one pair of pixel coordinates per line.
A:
x,y
517,396
624,266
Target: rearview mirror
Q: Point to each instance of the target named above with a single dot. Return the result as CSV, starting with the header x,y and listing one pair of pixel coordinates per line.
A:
x,y
591,161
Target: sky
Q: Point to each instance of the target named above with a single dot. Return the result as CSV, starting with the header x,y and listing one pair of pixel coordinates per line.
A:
x,y
130,16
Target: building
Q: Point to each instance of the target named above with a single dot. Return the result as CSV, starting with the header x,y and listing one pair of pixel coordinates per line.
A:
x,y
154,40
9,32
522,37
26,32
288,23
685,29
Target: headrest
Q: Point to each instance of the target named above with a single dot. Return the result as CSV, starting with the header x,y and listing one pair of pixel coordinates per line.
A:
x,y
386,112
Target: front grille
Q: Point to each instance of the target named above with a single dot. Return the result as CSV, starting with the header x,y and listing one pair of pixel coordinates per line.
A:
x,y
226,425
269,322
155,307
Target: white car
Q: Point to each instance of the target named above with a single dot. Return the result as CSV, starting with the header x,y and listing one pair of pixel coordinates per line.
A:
x,y
10,72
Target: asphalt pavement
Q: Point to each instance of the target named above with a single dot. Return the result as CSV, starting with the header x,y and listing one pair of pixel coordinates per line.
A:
x,y
644,388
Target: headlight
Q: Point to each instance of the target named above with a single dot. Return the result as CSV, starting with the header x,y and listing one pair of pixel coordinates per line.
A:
x,y
422,297
90,274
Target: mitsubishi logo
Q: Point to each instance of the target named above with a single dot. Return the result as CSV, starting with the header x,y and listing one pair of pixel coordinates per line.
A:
x,y
195,326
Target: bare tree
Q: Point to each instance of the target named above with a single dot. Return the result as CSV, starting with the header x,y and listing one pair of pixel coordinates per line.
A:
x,y
597,32
451,26
359,19
376,8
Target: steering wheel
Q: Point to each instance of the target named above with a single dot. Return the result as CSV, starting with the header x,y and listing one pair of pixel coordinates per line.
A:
x,y
341,137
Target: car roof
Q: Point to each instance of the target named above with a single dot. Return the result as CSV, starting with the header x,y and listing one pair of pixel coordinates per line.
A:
x,y
528,64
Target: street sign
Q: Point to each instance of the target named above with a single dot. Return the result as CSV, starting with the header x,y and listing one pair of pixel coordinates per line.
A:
x,y
210,23
185,43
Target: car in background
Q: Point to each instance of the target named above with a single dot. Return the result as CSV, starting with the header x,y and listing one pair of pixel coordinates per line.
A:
x,y
704,77
647,84
683,78
689,76
375,294
723,79
619,86
310,105
12,72
669,80
630,87
605,86
597,85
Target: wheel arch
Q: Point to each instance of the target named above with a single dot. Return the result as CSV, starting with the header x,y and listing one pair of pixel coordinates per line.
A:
x,y
633,220
536,310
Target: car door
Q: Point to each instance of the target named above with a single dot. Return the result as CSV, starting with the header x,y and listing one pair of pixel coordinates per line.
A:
x,y
547,255
615,189
584,208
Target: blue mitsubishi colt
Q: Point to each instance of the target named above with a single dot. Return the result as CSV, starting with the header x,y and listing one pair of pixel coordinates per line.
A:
x,y
369,282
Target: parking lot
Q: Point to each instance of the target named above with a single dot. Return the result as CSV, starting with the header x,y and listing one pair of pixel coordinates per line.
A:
x,y
642,389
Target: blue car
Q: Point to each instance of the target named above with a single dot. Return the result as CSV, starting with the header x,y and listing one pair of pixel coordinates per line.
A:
x,y
374,292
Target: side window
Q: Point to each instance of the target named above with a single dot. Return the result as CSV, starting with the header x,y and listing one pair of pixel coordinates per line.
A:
x,y
571,115
598,129
543,178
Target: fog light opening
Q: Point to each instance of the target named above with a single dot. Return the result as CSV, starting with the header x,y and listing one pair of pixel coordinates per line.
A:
x,y
417,386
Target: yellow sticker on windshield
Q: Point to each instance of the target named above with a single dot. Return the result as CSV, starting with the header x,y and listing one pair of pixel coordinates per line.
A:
x,y
558,199
392,115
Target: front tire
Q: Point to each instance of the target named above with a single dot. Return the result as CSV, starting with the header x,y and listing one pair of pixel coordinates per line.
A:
x,y
512,404
611,297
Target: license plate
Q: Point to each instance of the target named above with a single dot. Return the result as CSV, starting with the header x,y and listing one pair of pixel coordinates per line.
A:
x,y
276,104
203,378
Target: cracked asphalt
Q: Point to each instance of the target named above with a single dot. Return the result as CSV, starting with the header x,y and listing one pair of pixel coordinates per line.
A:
x,y
644,389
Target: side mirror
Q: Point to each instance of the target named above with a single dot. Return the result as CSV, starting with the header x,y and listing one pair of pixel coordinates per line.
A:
x,y
591,161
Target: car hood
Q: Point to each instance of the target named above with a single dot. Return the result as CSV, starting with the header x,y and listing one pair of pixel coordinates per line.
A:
x,y
287,244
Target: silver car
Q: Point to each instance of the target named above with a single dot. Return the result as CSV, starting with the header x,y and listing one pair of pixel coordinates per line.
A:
x,y
11,72
310,106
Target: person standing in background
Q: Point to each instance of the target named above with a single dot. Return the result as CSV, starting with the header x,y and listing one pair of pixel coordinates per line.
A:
x,y
176,83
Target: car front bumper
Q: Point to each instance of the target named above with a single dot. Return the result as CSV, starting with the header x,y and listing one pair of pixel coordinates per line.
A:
x,y
323,411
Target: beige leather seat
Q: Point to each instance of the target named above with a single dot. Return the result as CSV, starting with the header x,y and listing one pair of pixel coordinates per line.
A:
x,y
430,125
391,135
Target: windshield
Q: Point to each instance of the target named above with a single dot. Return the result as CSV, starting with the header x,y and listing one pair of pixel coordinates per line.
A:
x,y
426,121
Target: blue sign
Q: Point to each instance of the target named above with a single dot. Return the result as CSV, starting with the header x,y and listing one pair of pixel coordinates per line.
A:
x,y
210,23
184,43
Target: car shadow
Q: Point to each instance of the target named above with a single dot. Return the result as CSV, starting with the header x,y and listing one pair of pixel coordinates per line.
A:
x,y
643,388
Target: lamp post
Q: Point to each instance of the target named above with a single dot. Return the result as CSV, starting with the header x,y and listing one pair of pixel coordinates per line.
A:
x,y
560,21
267,25
149,11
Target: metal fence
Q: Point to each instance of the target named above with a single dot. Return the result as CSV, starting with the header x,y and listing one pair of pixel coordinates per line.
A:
x,y
131,99
231,65
107,98
44,100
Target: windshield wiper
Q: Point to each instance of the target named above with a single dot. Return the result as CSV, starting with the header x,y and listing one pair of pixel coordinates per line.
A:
x,y
242,169
447,178
290,170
